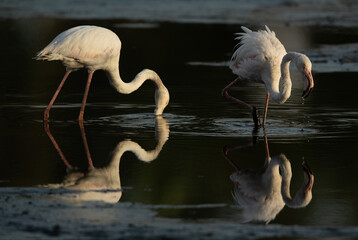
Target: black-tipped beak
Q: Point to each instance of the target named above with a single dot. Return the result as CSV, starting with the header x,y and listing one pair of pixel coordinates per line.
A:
x,y
309,174
308,77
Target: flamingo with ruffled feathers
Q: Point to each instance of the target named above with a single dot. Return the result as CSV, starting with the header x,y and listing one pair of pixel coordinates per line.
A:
x,y
262,58
96,48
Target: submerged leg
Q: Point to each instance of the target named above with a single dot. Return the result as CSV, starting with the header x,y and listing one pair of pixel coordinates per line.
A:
x,y
266,107
62,156
80,117
228,148
252,108
47,110
85,144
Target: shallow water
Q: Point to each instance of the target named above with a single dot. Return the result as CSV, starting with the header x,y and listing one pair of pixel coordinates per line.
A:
x,y
190,178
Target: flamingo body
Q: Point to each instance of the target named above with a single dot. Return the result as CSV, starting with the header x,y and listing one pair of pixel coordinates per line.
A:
x,y
89,47
96,48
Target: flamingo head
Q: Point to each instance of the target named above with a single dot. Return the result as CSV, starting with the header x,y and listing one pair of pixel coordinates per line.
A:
x,y
308,177
161,100
304,65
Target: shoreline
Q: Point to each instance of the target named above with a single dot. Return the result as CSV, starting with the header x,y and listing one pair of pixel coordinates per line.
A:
x,y
40,213
274,13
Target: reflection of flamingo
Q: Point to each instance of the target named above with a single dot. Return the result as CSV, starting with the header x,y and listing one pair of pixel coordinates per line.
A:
x,y
263,194
97,48
103,184
263,59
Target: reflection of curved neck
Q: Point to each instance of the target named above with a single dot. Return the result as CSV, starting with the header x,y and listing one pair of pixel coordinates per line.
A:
x,y
111,170
162,130
302,197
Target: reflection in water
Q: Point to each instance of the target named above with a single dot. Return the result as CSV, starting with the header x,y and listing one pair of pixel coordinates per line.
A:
x,y
263,193
104,184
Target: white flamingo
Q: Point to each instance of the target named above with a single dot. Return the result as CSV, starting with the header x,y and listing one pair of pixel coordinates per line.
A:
x,y
263,193
95,48
263,59
104,184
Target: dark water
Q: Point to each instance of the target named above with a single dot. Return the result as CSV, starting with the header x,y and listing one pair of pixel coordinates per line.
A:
x,y
190,178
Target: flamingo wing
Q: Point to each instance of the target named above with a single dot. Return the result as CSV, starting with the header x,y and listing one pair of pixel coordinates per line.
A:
x,y
258,51
82,46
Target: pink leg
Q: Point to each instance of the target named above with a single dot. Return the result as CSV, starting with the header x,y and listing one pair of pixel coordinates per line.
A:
x,y
252,108
83,134
266,107
80,117
47,110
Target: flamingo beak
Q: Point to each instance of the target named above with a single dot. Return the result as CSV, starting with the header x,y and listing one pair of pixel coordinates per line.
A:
x,y
308,176
308,83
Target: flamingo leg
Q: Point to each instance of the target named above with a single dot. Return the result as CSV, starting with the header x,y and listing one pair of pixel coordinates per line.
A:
x,y
47,110
228,148
84,139
85,95
266,107
48,132
252,108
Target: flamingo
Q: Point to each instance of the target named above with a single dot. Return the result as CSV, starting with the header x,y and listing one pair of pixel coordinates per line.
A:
x,y
262,58
95,48
264,193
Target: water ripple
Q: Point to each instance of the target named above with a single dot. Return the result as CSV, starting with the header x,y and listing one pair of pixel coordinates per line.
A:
x,y
209,127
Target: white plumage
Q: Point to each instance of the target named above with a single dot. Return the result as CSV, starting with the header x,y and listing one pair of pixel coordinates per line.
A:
x,y
88,47
256,51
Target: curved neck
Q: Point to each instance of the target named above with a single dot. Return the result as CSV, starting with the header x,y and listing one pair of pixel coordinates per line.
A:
x,y
161,92
140,78
282,91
